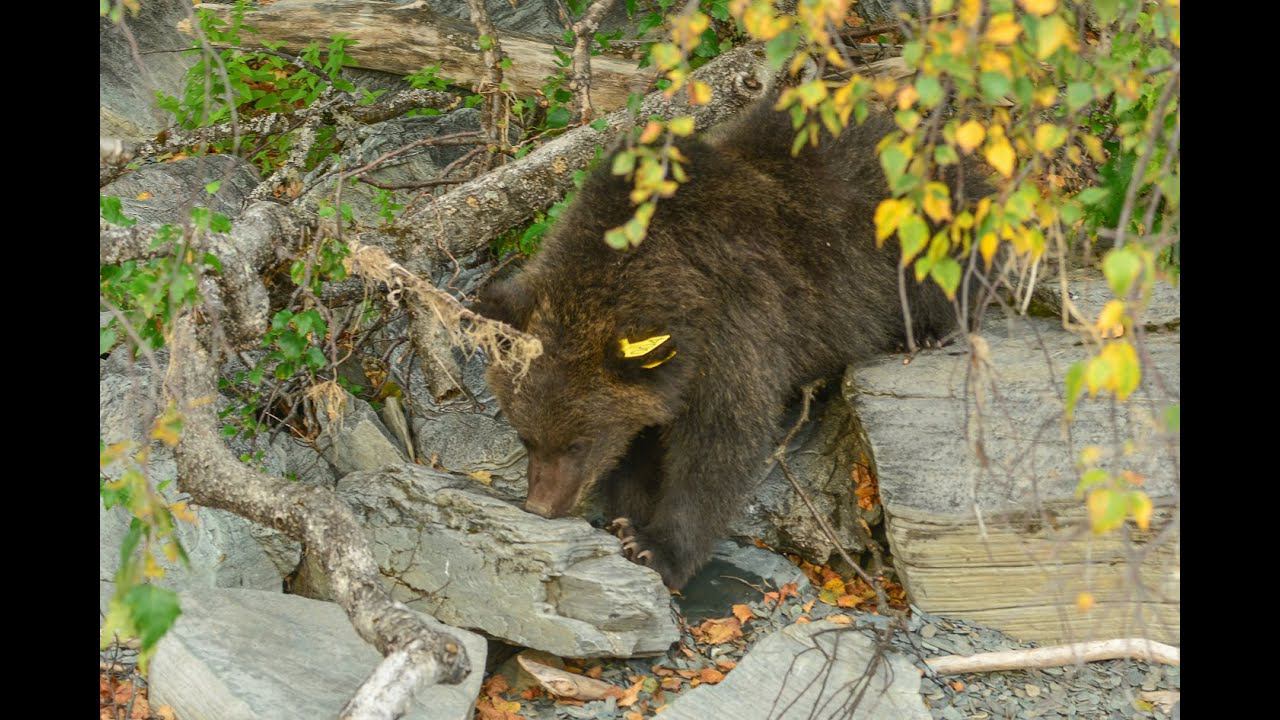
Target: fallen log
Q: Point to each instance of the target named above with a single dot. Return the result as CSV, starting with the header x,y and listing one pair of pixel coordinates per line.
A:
x,y
404,38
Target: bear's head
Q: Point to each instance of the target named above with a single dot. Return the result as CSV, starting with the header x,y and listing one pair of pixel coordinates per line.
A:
x,y
598,383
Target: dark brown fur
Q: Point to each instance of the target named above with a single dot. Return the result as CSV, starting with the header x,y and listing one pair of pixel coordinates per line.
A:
x,y
763,269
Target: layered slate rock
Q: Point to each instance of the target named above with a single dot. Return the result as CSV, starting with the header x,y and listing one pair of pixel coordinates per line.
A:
x,y
126,93
245,654
162,193
810,670
1009,545
358,439
822,457
448,547
223,549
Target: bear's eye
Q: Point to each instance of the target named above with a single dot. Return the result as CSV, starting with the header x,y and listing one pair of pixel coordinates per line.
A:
x,y
576,447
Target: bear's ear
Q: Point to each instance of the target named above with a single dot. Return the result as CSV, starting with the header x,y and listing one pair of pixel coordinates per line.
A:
x,y
642,354
507,301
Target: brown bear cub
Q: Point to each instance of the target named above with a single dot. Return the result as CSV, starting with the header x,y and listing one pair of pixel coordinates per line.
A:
x,y
666,367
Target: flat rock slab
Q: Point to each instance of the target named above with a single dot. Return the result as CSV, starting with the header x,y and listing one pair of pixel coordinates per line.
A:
x,y
1021,566
813,670
448,547
1089,292
246,654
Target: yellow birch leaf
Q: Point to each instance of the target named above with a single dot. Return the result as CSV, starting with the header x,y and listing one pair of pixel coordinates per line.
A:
x,y
1140,506
1054,33
937,202
699,93
1111,320
1084,602
907,97
970,135
1039,8
1001,156
1003,29
987,246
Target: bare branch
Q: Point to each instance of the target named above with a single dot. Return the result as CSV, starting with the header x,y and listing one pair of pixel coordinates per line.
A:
x,y
493,118
211,474
1057,655
584,31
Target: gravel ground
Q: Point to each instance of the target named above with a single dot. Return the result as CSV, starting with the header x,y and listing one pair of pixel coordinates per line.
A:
x,y
1095,691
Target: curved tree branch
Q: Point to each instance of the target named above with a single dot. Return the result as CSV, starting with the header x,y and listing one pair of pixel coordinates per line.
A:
x,y
208,471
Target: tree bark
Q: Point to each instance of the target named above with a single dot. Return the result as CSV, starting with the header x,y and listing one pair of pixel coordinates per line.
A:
x,y
214,477
403,39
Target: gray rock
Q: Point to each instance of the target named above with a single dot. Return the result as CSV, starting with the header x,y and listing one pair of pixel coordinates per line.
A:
x,y
415,166
419,164
221,546
242,654
126,94
822,458
788,675
176,187
358,440
931,482
472,560
770,566
1090,292
483,448
303,463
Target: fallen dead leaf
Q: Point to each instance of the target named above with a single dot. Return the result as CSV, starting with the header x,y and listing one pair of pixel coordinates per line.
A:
x,y
717,631
840,619
710,675
743,613
630,695
671,683
727,665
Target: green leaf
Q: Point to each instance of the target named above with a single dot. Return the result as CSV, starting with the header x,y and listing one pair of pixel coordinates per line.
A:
x,y
945,155
929,89
912,52
913,232
106,339
212,188
291,345
616,239
112,213
315,358
894,161
599,124
1093,195
946,272
1091,478
1075,386
1121,266
558,117
777,50
1078,95
1108,10
153,610
994,86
